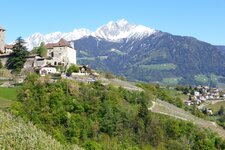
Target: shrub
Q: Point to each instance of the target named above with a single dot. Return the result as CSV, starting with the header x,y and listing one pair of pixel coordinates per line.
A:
x,y
72,68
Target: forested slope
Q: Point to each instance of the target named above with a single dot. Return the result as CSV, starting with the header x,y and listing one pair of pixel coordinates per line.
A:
x,y
97,116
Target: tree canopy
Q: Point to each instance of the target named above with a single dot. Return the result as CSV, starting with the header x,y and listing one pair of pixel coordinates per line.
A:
x,y
42,50
18,56
72,68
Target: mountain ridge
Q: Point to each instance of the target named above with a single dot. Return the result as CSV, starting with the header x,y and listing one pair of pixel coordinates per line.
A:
x,y
112,31
155,58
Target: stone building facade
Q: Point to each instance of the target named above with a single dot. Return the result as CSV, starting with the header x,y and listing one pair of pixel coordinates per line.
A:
x,y
4,48
61,53
2,39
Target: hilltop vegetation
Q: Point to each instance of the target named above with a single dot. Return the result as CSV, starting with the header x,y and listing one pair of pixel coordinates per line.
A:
x,y
95,116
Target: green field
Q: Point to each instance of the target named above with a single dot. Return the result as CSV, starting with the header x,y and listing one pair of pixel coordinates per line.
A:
x,y
7,96
174,93
173,81
216,79
216,107
201,78
167,66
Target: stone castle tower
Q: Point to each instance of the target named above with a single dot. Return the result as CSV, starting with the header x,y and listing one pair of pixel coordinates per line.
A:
x,y
2,38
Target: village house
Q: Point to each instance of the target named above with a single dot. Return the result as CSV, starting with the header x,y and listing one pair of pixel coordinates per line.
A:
x,y
47,70
204,93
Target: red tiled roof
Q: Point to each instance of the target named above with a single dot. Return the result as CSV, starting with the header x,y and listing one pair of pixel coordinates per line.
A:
x,y
51,45
9,46
61,43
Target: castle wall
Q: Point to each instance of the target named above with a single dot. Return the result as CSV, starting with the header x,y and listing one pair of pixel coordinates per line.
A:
x,y
4,59
28,64
71,53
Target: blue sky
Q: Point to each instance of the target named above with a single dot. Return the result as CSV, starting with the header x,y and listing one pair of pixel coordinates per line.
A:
x,y
203,19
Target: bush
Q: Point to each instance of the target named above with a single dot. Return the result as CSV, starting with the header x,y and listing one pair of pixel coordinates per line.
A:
x,y
109,75
72,69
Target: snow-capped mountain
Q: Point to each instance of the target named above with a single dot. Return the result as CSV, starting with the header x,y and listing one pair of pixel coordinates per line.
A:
x,y
112,31
160,57
35,39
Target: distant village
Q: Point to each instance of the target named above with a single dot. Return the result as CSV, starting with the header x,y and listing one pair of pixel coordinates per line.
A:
x,y
201,94
59,55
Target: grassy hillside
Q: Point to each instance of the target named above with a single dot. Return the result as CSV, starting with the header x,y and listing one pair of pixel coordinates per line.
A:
x,y
8,93
7,96
5,103
16,134
215,107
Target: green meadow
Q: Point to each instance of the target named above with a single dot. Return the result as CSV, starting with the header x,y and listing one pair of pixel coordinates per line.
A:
x,y
7,96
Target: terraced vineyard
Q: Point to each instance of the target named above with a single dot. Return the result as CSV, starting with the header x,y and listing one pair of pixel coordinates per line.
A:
x,y
165,108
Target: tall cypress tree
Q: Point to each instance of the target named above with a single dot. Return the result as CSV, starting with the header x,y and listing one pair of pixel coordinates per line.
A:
x,y
18,56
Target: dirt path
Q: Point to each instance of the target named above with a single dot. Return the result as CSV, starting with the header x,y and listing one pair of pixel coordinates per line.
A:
x,y
121,83
165,108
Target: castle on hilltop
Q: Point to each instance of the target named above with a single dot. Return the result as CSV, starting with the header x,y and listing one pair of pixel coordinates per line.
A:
x,y
61,53
58,54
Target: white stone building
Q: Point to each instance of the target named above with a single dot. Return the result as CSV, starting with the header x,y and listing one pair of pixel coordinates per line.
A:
x,y
47,70
61,53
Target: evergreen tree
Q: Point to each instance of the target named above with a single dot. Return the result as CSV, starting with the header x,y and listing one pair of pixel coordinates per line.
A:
x,y
18,57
